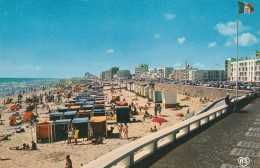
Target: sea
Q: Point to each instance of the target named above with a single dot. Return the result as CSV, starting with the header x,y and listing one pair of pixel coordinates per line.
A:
x,y
8,86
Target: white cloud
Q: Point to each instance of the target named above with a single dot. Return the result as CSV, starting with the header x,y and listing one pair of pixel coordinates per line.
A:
x,y
110,51
169,16
157,36
198,65
212,44
38,68
228,43
177,64
230,28
181,40
246,39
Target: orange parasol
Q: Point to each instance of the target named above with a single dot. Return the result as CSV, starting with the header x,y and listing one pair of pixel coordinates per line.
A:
x,y
27,116
13,107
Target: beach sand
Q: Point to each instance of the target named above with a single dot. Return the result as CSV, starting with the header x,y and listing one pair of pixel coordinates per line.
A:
x,y
53,154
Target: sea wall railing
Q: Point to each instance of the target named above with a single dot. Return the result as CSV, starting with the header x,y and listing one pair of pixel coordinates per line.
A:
x,y
127,155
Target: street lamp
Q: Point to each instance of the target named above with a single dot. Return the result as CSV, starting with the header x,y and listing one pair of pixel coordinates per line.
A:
x,y
219,73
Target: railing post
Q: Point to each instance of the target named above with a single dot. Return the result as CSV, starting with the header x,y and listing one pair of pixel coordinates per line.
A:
x,y
127,162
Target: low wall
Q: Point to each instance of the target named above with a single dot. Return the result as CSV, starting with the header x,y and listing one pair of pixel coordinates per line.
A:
x,y
199,91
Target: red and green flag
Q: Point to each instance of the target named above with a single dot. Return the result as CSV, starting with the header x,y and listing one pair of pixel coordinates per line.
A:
x,y
245,7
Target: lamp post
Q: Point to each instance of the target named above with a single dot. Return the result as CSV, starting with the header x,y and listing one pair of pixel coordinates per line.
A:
x,y
219,73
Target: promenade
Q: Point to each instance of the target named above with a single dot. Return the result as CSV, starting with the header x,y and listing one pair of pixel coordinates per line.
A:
x,y
218,145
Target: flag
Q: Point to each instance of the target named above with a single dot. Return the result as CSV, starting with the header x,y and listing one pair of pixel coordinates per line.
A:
x,y
245,7
257,53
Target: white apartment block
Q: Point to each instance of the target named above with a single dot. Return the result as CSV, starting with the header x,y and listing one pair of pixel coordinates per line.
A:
x,y
248,69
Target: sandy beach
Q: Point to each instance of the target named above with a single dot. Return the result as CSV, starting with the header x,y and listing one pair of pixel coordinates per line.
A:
x,y
53,154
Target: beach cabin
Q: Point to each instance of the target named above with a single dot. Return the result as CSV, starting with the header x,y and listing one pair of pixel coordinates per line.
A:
x,y
157,96
56,116
63,109
70,115
121,103
100,102
91,98
79,103
99,98
99,112
146,90
89,102
60,128
81,124
73,101
44,131
169,99
99,126
74,108
69,104
84,113
142,90
99,106
122,114
151,94
87,107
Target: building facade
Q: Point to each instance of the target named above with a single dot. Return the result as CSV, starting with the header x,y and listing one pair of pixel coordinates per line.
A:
x,y
248,69
123,74
109,74
139,69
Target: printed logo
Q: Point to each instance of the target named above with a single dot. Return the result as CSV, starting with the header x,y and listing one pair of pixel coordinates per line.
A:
x,y
243,161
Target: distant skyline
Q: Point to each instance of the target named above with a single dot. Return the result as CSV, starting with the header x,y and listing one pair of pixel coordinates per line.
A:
x,y
56,39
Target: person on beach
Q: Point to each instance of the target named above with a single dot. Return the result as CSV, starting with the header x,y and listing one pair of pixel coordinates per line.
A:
x,y
155,111
34,146
90,132
120,128
126,131
68,163
159,110
70,135
76,135
154,129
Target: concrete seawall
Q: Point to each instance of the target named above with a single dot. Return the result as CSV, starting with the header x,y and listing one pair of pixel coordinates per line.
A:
x,y
199,91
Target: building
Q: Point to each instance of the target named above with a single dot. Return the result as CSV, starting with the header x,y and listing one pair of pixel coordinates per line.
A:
x,y
123,74
89,76
109,74
206,75
248,69
164,72
139,69
180,74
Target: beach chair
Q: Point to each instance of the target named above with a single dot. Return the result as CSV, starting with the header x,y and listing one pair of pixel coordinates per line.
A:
x,y
191,114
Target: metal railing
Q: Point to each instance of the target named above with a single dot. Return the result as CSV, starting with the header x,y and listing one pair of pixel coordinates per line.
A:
x,y
127,155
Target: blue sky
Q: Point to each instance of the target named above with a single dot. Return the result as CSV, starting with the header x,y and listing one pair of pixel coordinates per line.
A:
x,y
49,38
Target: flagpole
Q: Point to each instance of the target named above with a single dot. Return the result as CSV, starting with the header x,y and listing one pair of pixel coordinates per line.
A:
x,y
237,53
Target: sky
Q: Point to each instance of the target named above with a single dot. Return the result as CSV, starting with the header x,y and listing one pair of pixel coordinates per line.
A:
x,y
66,38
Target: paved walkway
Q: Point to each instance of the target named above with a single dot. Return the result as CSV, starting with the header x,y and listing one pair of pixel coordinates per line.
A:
x,y
217,146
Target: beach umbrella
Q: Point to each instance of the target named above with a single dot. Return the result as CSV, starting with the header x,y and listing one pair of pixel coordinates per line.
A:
x,y
27,116
181,115
12,121
159,120
13,107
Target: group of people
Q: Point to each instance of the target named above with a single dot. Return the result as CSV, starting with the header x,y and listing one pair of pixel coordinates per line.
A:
x,y
158,109
25,147
122,129
72,134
